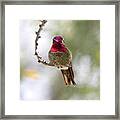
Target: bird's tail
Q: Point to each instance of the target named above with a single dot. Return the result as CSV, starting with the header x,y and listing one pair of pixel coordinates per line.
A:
x,y
68,76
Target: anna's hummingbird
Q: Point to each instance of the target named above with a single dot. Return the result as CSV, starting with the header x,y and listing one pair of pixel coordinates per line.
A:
x,y
61,57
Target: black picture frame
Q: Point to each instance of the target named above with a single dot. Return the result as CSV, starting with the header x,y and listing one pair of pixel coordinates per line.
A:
x,y
2,96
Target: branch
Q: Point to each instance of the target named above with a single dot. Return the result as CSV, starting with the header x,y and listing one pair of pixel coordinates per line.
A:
x,y
39,58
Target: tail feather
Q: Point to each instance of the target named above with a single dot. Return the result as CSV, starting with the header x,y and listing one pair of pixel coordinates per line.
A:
x,y
68,76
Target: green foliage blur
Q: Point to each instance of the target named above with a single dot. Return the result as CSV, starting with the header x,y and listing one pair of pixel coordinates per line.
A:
x,y
82,37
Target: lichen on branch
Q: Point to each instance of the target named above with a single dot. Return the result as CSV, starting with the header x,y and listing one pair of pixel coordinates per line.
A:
x,y
40,58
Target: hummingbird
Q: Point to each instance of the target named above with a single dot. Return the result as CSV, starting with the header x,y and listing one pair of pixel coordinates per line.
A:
x,y
61,57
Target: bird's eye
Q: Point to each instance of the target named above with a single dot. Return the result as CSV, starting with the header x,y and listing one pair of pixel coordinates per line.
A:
x,y
54,38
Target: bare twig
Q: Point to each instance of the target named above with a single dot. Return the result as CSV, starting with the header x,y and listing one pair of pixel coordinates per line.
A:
x,y
39,58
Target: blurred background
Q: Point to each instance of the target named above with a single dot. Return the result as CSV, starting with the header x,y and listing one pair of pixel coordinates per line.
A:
x,y
40,82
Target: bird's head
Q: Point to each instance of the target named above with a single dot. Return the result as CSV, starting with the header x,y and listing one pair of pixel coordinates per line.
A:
x,y
58,44
58,39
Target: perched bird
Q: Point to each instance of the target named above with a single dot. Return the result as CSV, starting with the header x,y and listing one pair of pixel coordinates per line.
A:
x,y
61,57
